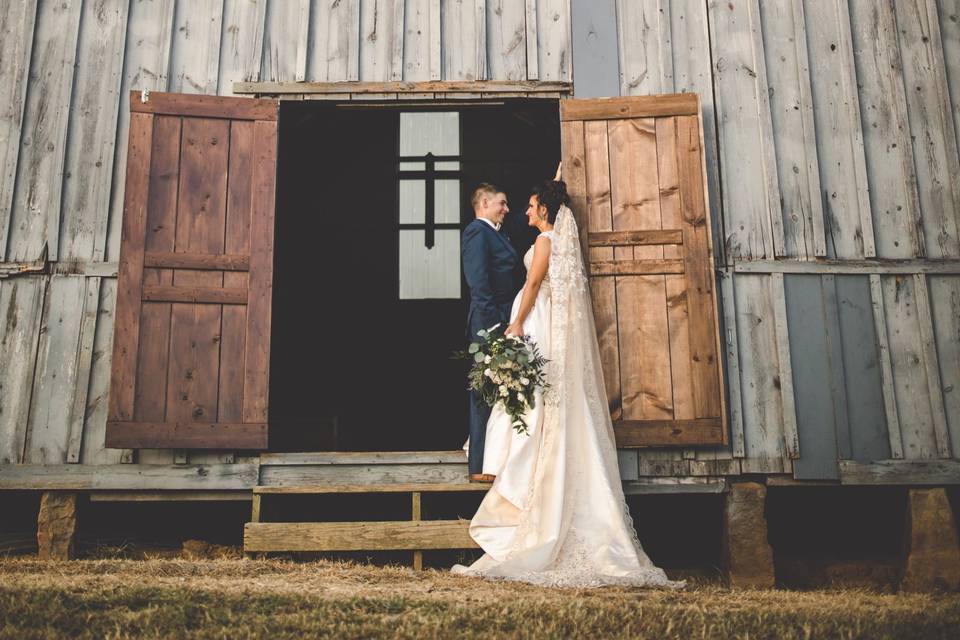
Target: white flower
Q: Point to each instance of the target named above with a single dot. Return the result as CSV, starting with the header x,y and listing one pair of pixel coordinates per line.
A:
x,y
488,373
524,380
503,390
521,398
487,359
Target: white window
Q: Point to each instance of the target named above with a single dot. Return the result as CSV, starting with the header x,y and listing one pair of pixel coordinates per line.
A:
x,y
429,215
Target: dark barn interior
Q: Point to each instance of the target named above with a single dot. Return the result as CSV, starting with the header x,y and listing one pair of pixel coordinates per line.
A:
x,y
353,366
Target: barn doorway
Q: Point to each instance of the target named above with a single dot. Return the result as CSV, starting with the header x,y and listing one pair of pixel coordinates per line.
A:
x,y
368,299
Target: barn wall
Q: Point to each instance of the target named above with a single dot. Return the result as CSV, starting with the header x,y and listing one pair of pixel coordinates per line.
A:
x,y
831,130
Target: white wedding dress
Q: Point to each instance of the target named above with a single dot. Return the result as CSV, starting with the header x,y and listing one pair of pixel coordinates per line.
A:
x,y
556,515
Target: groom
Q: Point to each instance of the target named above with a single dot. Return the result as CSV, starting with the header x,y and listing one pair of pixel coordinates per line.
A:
x,y
490,266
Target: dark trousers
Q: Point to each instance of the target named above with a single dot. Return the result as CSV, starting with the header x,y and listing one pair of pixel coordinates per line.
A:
x,y
479,413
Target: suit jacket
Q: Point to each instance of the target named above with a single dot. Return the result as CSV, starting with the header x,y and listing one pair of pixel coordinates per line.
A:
x,y
490,265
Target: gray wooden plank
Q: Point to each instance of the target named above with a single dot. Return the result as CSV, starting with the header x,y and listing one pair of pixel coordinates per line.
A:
x,y
863,385
533,40
128,476
195,50
760,370
843,173
886,135
416,41
900,472
76,418
851,267
507,40
628,463
146,66
91,141
35,219
334,51
16,45
21,309
945,311
644,38
886,366
92,451
56,370
294,475
751,193
731,353
553,39
791,108
464,28
909,373
381,40
931,125
283,50
949,13
362,457
241,48
693,73
785,370
928,353
813,376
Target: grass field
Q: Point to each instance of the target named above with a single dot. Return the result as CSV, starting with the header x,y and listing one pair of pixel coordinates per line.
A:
x,y
236,598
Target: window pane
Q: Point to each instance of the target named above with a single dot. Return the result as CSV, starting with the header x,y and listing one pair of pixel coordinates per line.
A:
x,y
412,201
429,273
430,132
446,195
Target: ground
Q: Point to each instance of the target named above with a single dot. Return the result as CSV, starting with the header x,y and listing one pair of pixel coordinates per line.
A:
x,y
241,598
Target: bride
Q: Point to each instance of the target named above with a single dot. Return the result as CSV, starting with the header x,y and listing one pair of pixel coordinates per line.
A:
x,y
555,514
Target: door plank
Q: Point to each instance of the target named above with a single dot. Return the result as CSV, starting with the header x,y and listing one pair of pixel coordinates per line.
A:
x,y
641,300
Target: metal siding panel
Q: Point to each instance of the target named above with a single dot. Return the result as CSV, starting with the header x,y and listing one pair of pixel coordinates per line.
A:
x,y
812,375
869,438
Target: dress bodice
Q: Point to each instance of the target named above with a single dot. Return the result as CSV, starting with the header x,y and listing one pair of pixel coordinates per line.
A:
x,y
528,256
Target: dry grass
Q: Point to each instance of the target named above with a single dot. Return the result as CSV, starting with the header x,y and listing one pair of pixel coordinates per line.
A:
x,y
234,598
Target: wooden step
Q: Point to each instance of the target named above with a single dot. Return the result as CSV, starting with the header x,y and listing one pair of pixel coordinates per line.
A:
x,y
374,488
357,536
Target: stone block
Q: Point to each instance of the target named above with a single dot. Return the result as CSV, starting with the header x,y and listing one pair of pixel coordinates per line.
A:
x,y
747,555
57,525
931,543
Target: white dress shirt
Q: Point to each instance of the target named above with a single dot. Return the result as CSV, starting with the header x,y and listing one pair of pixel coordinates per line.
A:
x,y
495,226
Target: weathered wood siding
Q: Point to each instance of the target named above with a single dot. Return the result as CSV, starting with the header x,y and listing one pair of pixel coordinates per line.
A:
x,y
831,130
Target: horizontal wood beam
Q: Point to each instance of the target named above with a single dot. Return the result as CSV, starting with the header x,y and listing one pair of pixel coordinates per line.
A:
x,y
647,433
636,267
207,261
364,457
673,104
211,295
208,477
912,472
628,238
201,106
376,488
171,496
855,267
676,486
186,435
480,86
59,268
357,536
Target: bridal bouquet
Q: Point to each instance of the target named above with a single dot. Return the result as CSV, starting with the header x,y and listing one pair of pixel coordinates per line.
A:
x,y
508,370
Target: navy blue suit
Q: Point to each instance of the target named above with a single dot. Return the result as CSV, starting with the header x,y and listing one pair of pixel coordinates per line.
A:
x,y
490,265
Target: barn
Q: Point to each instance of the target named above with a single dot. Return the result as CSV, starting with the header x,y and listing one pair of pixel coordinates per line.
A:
x,y
229,229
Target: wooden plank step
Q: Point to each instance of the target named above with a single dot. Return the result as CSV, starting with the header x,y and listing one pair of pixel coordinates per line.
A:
x,y
363,457
357,536
373,488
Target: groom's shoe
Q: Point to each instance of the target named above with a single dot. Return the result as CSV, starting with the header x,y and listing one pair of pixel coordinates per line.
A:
x,y
482,477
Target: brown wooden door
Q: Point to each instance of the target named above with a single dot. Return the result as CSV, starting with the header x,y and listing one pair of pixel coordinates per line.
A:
x,y
192,330
635,169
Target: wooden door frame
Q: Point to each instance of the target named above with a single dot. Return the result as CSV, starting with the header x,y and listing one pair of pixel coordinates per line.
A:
x,y
433,90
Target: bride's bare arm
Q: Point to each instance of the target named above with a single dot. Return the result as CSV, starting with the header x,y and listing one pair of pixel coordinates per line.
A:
x,y
535,276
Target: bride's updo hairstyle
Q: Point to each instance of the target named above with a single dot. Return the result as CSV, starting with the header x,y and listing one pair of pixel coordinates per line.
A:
x,y
552,194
